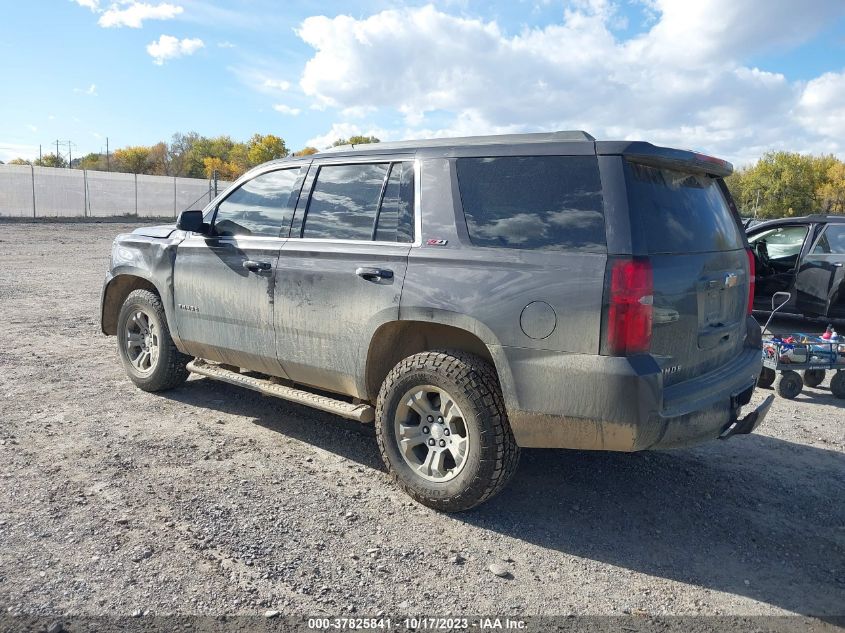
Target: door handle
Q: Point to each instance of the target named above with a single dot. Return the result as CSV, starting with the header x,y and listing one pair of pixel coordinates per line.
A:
x,y
374,274
255,266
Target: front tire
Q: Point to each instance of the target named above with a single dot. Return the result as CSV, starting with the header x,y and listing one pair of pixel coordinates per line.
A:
x,y
443,431
146,349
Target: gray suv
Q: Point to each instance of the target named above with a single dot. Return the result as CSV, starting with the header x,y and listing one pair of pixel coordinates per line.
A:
x,y
468,296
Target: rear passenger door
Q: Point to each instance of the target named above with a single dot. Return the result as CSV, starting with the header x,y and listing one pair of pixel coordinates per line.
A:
x,y
340,274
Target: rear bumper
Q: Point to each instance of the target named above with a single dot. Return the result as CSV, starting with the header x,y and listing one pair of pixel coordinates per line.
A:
x,y
587,402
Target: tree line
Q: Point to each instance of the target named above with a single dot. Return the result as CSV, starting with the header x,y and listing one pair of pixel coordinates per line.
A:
x,y
780,184
788,184
189,155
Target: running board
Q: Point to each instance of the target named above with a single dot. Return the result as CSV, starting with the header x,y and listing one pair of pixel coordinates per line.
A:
x,y
358,412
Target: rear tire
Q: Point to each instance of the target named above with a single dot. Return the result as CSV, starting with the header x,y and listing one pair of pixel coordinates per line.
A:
x,y
146,348
813,377
443,431
789,384
767,378
837,384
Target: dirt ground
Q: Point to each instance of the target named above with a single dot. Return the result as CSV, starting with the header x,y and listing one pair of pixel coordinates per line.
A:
x,y
212,499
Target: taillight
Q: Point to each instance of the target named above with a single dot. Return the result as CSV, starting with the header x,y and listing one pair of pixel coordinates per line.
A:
x,y
751,279
630,308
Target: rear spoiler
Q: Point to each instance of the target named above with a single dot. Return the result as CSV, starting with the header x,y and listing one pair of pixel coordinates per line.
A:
x,y
679,159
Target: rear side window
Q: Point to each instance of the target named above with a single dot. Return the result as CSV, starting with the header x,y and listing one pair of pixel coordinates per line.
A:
x,y
680,212
259,206
344,201
533,202
832,241
363,201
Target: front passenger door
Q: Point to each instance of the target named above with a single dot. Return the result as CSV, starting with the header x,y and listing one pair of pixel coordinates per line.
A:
x,y
224,282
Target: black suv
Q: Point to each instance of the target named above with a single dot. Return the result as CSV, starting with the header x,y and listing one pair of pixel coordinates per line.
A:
x,y
470,296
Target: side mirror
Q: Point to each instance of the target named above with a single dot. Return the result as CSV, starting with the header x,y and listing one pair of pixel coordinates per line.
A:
x,y
191,221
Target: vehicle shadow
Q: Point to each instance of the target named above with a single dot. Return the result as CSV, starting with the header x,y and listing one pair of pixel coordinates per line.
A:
x,y
754,516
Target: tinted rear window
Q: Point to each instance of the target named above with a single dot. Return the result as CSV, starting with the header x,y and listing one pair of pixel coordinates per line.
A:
x,y
680,212
533,202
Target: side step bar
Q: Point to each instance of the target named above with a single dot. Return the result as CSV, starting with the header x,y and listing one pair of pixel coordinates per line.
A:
x,y
359,412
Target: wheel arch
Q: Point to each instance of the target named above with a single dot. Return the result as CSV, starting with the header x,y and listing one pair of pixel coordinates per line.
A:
x,y
115,293
396,340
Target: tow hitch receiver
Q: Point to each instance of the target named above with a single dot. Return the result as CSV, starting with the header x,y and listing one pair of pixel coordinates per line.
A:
x,y
749,422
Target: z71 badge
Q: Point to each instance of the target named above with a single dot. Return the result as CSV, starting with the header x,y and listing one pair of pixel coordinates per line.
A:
x,y
436,242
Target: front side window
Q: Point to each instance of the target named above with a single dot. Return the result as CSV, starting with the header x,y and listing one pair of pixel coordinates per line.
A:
x,y
832,241
260,206
533,202
779,245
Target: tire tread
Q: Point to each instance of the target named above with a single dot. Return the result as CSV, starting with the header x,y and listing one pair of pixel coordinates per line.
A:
x,y
479,382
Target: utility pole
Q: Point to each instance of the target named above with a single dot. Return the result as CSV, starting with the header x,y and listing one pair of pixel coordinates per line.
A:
x,y
57,150
108,164
39,154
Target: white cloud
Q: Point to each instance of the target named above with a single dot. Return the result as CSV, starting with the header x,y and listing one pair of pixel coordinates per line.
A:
x,y
275,84
344,130
133,14
226,45
684,82
286,109
31,127
822,105
90,90
94,5
169,47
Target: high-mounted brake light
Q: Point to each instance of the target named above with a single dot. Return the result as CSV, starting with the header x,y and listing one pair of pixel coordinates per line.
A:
x,y
630,309
752,278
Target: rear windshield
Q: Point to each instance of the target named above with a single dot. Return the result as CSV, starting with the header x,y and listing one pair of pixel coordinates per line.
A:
x,y
533,202
680,212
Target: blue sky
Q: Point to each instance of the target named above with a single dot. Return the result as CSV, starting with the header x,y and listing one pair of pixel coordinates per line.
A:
x,y
732,78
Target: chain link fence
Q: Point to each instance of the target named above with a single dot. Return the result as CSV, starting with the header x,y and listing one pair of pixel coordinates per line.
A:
x,y
46,192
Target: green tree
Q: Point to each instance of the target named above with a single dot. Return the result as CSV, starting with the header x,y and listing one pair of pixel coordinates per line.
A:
x,y
158,160
264,148
306,151
356,140
179,152
93,161
20,161
132,159
831,193
50,160
781,184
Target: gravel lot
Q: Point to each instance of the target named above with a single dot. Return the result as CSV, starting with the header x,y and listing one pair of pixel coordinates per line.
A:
x,y
211,499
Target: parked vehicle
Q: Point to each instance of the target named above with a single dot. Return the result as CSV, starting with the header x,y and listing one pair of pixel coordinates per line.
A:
x,y
469,296
805,257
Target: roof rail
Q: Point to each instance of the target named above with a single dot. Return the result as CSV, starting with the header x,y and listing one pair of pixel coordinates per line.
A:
x,y
493,139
